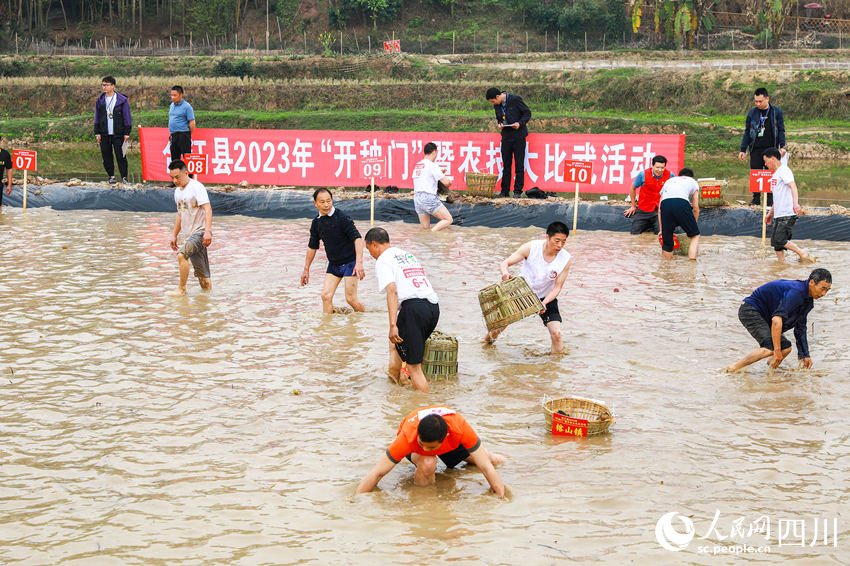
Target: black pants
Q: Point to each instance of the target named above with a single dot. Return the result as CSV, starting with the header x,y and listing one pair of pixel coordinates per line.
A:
x,y
181,142
108,144
757,162
513,150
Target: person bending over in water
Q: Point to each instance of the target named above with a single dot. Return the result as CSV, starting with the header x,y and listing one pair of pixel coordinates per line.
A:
x,y
412,305
430,433
776,307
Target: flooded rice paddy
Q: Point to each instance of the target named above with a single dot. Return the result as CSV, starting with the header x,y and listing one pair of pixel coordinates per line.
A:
x,y
233,427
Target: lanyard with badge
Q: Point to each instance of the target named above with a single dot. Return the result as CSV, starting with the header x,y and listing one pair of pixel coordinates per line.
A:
x,y
504,106
762,118
109,108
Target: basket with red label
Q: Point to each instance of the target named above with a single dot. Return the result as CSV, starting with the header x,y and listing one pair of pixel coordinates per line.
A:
x,y
576,416
712,192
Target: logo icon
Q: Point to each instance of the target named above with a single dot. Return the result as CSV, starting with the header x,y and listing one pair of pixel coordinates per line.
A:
x,y
671,539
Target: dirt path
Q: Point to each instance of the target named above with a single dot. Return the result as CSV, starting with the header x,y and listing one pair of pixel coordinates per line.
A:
x,y
737,64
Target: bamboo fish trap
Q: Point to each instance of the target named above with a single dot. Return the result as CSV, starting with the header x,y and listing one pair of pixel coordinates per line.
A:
x,y
480,184
440,360
507,302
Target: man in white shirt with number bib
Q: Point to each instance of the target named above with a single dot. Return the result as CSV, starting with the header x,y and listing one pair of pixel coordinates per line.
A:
x,y
412,305
786,204
194,219
545,266
426,175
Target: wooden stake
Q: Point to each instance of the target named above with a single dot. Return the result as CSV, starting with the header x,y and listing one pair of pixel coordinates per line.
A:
x,y
372,205
763,225
575,210
25,189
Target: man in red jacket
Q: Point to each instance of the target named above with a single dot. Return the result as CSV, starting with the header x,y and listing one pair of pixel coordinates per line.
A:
x,y
644,209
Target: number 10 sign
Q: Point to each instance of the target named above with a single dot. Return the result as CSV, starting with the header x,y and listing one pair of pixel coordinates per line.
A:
x,y
577,172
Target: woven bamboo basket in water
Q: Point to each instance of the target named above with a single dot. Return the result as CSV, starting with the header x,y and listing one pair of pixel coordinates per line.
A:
x,y
599,417
440,360
507,302
712,192
480,184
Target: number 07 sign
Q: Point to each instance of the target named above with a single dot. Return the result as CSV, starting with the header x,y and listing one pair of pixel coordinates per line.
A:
x,y
25,160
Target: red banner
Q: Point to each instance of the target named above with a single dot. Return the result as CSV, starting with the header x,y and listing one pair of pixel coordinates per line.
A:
x,y
321,158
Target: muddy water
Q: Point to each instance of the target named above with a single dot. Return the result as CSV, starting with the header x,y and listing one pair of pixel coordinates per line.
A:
x,y
233,427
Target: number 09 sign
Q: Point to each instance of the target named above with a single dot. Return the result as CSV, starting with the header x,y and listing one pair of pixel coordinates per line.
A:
x,y
373,167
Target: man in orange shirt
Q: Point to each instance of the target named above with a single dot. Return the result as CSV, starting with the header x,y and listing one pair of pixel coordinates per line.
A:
x,y
430,433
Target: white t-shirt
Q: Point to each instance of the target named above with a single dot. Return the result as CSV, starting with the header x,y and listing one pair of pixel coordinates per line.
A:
x,y
539,273
110,108
189,200
679,187
426,173
402,268
780,184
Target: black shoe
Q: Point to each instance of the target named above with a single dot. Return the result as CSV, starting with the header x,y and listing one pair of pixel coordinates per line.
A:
x,y
112,181
172,186
504,194
755,202
517,194
125,181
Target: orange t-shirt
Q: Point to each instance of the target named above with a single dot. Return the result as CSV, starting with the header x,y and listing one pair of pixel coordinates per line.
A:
x,y
460,433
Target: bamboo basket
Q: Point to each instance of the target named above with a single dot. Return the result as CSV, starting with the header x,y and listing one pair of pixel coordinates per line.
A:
x,y
440,360
480,184
507,302
712,192
599,417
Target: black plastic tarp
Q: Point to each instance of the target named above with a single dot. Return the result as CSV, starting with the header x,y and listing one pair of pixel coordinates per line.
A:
x,y
494,214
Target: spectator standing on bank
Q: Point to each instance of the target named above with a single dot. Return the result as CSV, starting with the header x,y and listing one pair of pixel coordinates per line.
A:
x,y
112,128
512,116
181,124
5,164
763,129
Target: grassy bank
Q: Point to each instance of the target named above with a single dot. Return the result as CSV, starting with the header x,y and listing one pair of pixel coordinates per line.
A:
x,y
428,94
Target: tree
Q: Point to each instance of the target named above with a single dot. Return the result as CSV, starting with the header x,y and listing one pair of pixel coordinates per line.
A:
x,y
680,20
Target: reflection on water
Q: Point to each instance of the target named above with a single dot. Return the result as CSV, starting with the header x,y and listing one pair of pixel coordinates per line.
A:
x,y
232,427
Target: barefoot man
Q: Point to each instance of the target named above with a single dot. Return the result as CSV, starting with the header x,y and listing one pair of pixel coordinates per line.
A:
x,y
430,433
777,307
786,205
427,175
412,305
344,248
545,265
194,219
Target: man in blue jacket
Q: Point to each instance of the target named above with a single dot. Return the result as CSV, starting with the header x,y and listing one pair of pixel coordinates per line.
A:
x,y
764,128
777,307
512,116
112,127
